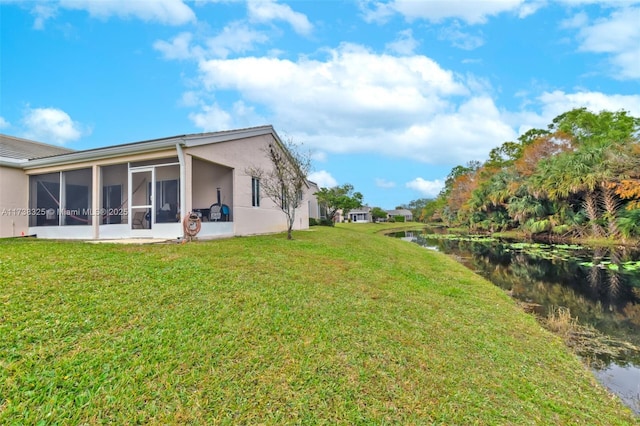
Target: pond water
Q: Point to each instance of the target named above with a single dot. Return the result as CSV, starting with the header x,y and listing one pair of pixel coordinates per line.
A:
x,y
599,287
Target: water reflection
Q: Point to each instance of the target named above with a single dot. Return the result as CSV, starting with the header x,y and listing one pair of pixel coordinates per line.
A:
x,y
600,287
624,381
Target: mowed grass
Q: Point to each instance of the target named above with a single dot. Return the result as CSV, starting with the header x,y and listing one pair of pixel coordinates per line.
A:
x,y
339,326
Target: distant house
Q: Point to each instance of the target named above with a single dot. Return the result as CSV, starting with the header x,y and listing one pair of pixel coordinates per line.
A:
x,y
315,209
408,216
360,215
142,189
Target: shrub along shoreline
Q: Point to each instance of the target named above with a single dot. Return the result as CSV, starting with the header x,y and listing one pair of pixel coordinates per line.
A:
x,y
339,326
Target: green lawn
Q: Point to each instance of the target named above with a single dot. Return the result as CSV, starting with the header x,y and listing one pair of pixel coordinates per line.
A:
x,y
339,326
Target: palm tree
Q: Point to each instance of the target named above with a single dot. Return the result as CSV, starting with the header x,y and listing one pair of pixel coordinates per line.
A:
x,y
573,173
605,154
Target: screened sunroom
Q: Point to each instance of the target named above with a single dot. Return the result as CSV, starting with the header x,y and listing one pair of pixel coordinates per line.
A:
x,y
151,189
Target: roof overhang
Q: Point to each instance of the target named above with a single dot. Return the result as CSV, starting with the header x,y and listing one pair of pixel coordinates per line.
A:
x,y
12,162
101,153
148,146
229,135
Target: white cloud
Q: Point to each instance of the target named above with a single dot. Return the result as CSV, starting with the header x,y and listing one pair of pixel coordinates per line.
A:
x,y
352,86
51,125
4,123
557,102
469,11
450,137
178,48
603,3
190,98
405,44
320,156
459,38
323,179
269,10
236,37
169,12
42,12
396,106
428,188
531,7
552,104
618,36
578,20
383,183
466,134
364,102
213,118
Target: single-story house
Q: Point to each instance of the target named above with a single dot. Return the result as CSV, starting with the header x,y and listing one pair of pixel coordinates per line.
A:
x,y
408,216
142,189
315,209
360,215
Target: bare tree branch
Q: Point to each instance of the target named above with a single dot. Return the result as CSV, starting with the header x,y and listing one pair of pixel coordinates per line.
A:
x,y
284,182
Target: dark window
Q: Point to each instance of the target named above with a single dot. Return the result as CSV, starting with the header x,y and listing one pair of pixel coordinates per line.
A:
x,y
77,197
112,208
60,198
167,200
44,204
255,192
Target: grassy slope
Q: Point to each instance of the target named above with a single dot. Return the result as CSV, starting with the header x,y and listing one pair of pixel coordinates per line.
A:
x,y
339,326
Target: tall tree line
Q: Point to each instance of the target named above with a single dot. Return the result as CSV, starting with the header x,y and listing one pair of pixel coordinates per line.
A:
x,y
578,177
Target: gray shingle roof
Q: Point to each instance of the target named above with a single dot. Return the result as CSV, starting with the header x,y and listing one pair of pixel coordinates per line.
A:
x,y
189,140
400,212
24,149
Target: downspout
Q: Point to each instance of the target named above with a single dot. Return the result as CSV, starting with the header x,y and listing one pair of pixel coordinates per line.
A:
x,y
183,183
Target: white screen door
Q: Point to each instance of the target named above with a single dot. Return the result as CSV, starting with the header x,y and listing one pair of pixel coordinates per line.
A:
x,y
141,196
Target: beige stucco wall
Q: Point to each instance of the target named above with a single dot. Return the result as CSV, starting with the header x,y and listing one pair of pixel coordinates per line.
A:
x,y
14,202
240,155
207,178
312,203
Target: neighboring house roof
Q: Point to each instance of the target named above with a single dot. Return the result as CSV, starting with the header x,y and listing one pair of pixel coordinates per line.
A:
x,y
187,140
363,209
400,212
15,150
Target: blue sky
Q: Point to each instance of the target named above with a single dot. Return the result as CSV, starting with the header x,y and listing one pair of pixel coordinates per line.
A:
x,y
388,95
